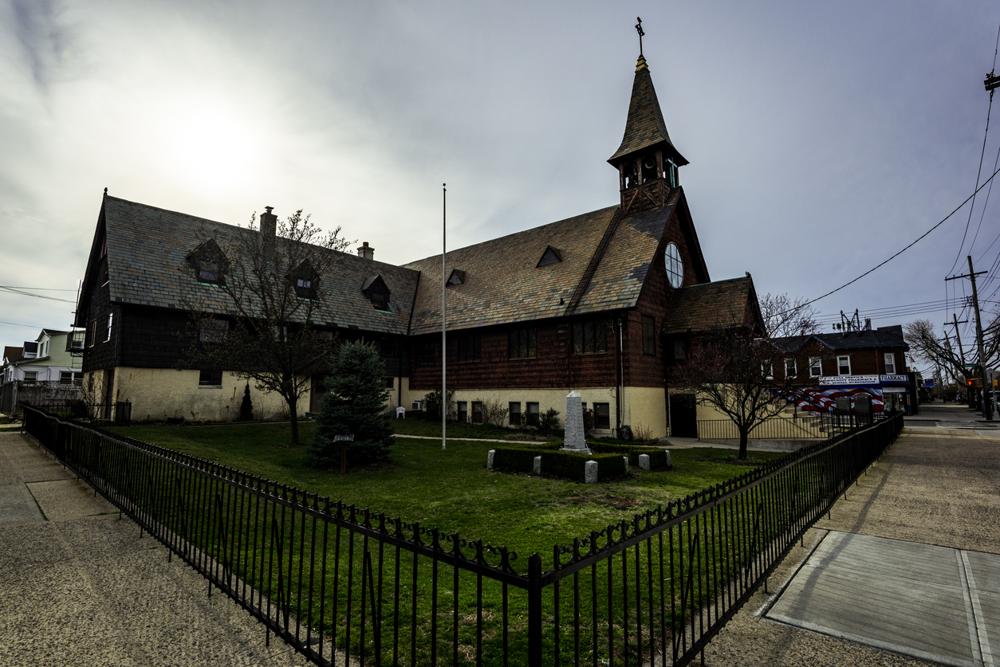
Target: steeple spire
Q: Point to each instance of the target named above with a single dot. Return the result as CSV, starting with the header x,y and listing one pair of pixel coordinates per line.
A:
x,y
644,126
647,159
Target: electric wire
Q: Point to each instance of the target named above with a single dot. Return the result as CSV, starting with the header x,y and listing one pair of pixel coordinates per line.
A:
x,y
895,254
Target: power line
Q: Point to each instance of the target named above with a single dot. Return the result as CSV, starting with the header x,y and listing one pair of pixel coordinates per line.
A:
x,y
22,324
20,292
39,289
979,173
897,253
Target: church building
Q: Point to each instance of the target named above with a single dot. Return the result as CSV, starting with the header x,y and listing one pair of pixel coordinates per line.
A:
x,y
602,302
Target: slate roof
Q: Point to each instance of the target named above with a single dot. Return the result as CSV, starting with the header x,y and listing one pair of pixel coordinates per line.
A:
x,y
504,284
882,337
645,126
147,265
148,250
13,354
707,306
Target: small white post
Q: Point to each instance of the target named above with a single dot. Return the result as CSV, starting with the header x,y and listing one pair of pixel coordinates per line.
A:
x,y
590,472
536,465
644,461
489,459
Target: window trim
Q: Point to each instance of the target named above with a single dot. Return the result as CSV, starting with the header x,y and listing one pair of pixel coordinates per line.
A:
x,y
795,367
482,413
208,383
767,369
462,411
511,412
522,349
815,362
840,365
649,336
599,419
532,418
889,359
588,338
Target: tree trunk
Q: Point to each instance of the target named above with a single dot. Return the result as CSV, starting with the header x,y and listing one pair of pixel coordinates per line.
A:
x,y
744,440
293,416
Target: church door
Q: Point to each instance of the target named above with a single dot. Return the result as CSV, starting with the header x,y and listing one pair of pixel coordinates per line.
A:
x,y
683,416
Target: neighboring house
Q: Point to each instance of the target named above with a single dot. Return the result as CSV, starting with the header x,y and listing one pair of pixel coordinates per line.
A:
x,y
46,369
824,366
584,303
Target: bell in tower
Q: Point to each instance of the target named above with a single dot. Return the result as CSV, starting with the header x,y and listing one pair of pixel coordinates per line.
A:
x,y
647,161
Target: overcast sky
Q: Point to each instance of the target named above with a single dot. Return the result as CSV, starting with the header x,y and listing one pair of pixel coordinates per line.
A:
x,y
822,136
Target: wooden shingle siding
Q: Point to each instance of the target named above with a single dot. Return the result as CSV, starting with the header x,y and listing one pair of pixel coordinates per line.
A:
x,y
554,365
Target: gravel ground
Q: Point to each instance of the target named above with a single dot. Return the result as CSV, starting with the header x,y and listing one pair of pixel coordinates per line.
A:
x,y
936,486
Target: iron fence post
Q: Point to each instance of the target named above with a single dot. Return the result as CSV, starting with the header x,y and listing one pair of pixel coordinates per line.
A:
x,y
534,610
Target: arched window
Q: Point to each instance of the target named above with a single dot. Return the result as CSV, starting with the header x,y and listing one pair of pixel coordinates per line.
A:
x,y
674,265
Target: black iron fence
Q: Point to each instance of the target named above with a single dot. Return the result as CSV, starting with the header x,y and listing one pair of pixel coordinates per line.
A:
x,y
342,583
119,412
814,426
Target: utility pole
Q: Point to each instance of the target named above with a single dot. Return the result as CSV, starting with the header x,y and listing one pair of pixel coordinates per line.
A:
x,y
971,275
961,353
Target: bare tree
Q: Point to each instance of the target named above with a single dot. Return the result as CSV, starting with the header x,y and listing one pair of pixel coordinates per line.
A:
x,y
924,342
271,276
732,370
787,316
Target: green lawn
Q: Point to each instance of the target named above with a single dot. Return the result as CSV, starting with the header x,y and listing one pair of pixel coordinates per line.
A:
x,y
432,428
452,490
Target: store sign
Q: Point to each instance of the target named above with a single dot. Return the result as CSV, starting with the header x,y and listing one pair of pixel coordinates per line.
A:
x,y
894,377
848,379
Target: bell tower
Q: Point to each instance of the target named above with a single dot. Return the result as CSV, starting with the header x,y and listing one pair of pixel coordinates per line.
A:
x,y
647,161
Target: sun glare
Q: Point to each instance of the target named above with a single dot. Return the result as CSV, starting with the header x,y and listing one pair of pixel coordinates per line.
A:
x,y
211,144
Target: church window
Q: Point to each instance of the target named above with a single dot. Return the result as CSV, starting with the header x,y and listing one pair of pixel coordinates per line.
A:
x,y
674,265
649,335
521,344
468,347
590,337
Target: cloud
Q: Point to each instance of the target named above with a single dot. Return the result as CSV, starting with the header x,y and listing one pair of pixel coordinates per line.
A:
x,y
821,138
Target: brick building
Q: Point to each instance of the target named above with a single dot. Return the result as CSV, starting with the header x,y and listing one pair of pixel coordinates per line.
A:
x,y
599,302
822,367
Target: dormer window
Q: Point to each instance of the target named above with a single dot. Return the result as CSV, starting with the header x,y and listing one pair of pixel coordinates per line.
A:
x,y
208,272
456,278
377,292
305,281
550,256
209,263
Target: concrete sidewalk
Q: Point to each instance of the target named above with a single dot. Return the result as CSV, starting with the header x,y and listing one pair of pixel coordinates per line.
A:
x,y
78,586
933,487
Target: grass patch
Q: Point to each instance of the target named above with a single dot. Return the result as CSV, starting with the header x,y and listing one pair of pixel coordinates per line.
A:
x,y
432,428
452,490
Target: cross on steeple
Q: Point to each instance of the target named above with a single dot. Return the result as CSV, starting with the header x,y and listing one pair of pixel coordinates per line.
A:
x,y
638,29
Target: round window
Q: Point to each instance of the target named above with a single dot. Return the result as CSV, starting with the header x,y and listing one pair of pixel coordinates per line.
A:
x,y
674,264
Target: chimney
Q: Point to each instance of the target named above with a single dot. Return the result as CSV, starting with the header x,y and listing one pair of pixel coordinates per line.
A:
x,y
366,251
268,229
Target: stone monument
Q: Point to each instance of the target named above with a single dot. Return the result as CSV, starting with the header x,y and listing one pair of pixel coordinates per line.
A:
x,y
574,439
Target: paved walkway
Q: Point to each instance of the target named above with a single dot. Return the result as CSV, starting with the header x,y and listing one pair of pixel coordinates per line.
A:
x,y
938,485
78,586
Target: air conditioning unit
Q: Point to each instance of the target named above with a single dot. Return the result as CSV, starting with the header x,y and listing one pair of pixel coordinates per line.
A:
x,y
417,406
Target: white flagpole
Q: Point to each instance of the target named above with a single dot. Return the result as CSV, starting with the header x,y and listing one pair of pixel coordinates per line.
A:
x,y
444,318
